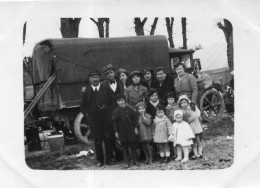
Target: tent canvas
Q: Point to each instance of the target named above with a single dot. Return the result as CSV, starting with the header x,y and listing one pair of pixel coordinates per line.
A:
x,y
212,57
213,61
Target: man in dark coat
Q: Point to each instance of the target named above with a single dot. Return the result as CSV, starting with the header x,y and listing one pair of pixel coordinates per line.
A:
x,y
164,84
116,87
96,103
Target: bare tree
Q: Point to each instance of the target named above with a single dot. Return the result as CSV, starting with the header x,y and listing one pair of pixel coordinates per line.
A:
x,y
183,23
70,27
169,25
153,27
100,26
139,25
228,32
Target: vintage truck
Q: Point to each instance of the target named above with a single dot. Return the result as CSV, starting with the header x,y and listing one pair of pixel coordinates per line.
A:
x,y
61,68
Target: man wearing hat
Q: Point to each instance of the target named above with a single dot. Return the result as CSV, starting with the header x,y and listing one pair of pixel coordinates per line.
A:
x,y
116,87
164,84
96,103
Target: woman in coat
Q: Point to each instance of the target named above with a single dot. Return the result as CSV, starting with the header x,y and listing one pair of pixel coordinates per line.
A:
x,y
186,84
136,92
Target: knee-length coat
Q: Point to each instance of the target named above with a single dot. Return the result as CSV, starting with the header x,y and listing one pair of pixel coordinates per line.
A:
x,y
162,128
145,128
124,121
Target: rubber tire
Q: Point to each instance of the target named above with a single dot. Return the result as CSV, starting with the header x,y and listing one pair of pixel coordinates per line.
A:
x,y
77,130
221,100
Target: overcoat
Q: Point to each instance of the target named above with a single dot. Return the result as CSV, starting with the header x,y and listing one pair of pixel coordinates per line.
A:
x,y
164,88
119,90
124,121
193,119
187,85
145,128
135,96
162,128
98,127
182,134
170,111
150,109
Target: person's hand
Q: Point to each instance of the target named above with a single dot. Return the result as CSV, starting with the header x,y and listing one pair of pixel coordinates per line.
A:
x,y
116,134
192,106
136,131
171,138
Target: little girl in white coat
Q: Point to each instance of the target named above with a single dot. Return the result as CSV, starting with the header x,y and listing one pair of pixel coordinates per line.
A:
x,y
182,136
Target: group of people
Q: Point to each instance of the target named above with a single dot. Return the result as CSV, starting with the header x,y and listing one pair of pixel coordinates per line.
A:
x,y
155,115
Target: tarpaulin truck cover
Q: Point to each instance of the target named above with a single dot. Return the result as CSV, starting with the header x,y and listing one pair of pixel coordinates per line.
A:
x,y
72,59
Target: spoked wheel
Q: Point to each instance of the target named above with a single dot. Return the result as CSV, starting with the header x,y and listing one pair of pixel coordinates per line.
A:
x,y
82,129
211,105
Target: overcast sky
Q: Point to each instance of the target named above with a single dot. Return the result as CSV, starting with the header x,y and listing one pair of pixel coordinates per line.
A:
x,y
199,31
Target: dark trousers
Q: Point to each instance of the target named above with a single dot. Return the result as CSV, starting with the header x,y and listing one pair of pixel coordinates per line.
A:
x,y
132,146
99,149
101,132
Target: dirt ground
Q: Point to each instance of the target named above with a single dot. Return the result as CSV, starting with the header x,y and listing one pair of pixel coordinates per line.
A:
x,y
218,153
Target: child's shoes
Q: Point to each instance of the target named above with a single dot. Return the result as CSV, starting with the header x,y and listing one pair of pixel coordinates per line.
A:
x,y
162,160
178,159
184,160
166,160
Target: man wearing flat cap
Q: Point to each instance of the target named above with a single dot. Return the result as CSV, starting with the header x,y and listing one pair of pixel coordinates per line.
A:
x,y
116,87
163,83
96,103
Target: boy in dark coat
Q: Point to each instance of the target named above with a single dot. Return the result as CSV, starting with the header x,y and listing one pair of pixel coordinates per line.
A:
x,y
124,120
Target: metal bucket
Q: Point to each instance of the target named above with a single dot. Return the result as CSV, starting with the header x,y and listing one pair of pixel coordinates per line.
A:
x,y
56,143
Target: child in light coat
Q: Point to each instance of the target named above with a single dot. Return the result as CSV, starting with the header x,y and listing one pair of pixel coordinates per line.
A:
x,y
162,127
182,136
145,131
192,117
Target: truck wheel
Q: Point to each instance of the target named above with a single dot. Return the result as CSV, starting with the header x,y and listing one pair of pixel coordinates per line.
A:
x,y
211,105
81,129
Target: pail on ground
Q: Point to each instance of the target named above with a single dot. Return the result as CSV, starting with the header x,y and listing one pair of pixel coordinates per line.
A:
x,y
56,143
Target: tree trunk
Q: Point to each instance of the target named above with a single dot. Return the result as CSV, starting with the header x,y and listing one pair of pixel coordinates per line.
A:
x,y
153,27
169,25
107,27
183,23
24,32
139,26
70,27
228,32
100,26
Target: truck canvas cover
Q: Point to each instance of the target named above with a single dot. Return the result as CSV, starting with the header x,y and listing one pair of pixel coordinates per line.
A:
x,y
72,59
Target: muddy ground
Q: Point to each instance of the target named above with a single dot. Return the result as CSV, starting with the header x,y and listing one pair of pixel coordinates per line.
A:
x,y
218,153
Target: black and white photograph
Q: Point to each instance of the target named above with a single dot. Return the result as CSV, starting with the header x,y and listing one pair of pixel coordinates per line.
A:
x,y
113,89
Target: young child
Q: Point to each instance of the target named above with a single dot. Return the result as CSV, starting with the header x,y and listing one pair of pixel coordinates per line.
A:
x,y
170,109
124,120
145,131
162,128
153,102
171,106
192,118
182,136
